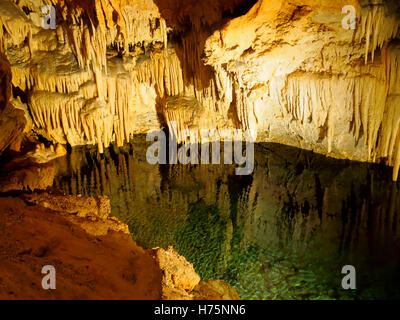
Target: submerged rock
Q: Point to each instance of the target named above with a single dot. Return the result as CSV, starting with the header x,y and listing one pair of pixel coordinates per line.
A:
x,y
215,290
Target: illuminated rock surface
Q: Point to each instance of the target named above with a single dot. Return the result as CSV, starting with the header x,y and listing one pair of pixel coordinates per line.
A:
x,y
289,72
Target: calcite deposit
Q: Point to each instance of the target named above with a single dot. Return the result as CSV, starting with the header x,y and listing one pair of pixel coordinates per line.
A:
x,y
289,71
179,276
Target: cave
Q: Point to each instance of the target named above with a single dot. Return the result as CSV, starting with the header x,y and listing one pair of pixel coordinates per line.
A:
x,y
199,150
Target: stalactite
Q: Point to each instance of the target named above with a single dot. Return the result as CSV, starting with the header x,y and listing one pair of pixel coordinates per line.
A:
x,y
371,100
16,24
376,27
91,90
186,118
97,123
162,70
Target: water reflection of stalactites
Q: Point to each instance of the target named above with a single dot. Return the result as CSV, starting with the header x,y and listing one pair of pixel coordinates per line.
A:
x,y
325,206
298,211
294,198
159,196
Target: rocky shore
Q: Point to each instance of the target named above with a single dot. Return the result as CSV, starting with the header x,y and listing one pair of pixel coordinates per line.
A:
x,y
93,254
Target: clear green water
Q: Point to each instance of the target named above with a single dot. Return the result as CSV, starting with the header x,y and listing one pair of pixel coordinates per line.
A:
x,y
283,233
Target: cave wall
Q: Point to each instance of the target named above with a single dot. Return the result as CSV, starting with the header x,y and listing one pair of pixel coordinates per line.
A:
x,y
285,70
12,120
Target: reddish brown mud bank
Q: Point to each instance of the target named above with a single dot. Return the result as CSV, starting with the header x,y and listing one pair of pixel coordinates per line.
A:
x,y
94,255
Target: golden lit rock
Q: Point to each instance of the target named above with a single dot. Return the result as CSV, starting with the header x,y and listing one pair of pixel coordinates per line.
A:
x,y
289,72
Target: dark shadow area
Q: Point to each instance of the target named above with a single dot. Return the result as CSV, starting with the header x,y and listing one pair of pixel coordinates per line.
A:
x,y
192,23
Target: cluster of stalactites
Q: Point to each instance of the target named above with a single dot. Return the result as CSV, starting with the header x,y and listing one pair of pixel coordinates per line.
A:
x,y
15,27
89,41
97,104
83,118
389,146
163,70
376,26
27,78
370,103
121,24
75,99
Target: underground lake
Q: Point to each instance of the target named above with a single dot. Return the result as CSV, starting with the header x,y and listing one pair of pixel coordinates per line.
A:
x,y
284,232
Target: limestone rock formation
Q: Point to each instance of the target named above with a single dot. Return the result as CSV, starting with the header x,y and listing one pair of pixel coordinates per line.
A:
x,y
310,83
289,71
79,206
12,124
181,282
179,276
94,254
91,214
107,266
30,170
12,121
29,178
